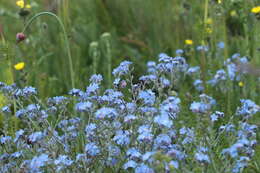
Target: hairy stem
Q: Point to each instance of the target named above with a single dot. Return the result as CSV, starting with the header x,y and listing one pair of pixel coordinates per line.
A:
x,y
65,39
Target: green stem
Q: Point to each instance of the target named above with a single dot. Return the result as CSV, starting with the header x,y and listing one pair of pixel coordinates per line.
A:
x,y
65,38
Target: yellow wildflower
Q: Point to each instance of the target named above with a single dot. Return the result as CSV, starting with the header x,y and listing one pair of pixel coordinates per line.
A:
x,y
241,84
256,9
233,13
20,3
209,30
219,1
19,66
209,21
28,6
188,42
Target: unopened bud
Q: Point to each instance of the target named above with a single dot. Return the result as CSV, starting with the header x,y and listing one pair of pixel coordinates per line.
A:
x,y
20,37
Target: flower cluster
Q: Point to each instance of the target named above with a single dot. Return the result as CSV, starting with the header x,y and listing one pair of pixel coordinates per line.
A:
x,y
145,128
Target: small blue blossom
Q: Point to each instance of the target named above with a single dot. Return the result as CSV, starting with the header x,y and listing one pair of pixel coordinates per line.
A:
x,y
35,137
58,100
29,91
122,69
204,158
84,106
92,88
202,48
5,139
39,161
106,112
198,84
62,162
193,70
122,137
92,149
179,51
96,78
163,120
221,45
6,109
162,141
133,154
248,108
130,118
147,96
130,164
215,116
174,163
143,169
75,92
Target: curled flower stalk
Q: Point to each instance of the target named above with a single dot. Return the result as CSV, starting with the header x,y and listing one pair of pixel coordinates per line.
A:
x,y
65,39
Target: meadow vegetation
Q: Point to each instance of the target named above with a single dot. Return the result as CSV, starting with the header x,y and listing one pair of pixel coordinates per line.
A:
x,y
129,86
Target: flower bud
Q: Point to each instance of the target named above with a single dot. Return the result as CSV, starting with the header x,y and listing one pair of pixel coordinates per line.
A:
x,y
20,37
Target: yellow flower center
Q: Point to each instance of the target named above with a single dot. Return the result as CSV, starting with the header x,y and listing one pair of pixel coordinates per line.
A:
x,y
19,66
241,84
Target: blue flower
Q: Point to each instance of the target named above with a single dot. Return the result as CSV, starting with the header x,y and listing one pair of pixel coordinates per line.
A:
x,y
215,116
133,154
39,161
58,100
248,108
148,78
75,92
18,135
129,164
20,113
129,118
5,139
179,52
221,45
163,120
193,70
6,109
92,149
35,137
122,137
92,88
162,141
106,112
96,78
29,91
199,107
143,169
198,84
204,158
122,69
147,96
241,163
202,48
148,156
84,106
62,162
174,163
164,82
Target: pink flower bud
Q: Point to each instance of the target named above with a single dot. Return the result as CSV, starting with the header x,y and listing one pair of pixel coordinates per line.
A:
x,y
20,37
123,84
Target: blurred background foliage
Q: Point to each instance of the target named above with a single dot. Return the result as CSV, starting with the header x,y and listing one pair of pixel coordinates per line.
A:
x,y
139,30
